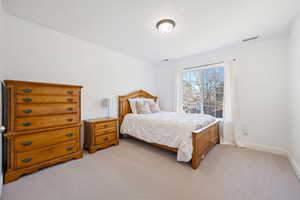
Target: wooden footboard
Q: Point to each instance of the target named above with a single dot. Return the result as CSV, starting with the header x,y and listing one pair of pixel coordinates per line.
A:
x,y
203,141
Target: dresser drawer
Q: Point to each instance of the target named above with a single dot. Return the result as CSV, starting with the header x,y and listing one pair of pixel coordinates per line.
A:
x,y
23,110
29,158
46,99
105,138
105,131
38,140
46,90
27,123
104,125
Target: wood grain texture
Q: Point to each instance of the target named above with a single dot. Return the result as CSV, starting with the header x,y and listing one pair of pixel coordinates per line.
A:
x,y
43,123
203,141
100,133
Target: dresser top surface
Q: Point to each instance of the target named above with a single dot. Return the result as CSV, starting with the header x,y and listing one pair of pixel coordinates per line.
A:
x,y
100,119
22,83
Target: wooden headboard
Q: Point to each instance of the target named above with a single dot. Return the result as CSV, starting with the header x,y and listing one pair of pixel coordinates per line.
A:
x,y
124,107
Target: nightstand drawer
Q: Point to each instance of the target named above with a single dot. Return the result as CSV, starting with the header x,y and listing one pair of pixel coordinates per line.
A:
x,y
105,131
105,138
105,125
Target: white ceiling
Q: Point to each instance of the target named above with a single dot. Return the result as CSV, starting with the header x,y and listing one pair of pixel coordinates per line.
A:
x,y
128,26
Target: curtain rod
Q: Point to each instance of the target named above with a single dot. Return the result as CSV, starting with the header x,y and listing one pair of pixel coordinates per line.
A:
x,y
215,63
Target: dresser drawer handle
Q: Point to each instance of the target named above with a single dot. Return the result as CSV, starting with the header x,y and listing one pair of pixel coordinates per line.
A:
x,y
70,92
69,134
70,109
27,111
27,90
70,100
27,100
105,139
26,124
27,160
105,126
27,143
70,119
70,148
105,132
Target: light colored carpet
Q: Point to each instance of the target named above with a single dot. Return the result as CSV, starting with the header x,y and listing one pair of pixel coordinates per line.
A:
x,y
137,171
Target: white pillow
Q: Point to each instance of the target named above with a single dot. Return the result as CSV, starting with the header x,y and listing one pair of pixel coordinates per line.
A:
x,y
143,107
154,107
132,103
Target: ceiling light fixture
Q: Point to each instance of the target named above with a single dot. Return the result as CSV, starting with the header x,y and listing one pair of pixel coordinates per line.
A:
x,y
165,25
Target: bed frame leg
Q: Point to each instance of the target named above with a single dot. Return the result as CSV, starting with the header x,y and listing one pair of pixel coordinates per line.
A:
x,y
195,158
195,163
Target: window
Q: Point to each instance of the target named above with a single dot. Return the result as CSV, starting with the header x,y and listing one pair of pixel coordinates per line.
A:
x,y
203,91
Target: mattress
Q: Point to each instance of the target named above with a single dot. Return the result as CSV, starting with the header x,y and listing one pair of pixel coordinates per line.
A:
x,y
172,129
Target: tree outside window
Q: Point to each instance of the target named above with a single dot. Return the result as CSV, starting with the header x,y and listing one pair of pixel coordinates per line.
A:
x,y
203,91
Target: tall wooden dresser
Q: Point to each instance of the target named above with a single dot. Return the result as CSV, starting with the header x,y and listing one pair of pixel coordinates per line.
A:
x,y
43,126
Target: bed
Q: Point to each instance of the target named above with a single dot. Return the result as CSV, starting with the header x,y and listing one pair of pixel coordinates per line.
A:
x,y
191,136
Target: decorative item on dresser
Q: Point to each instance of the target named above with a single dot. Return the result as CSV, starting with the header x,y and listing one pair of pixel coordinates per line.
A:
x,y
100,133
43,126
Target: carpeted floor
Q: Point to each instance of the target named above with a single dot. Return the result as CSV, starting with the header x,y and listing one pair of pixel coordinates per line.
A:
x,y
137,171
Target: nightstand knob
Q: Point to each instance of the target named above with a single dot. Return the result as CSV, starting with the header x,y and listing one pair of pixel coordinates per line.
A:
x,y
105,139
70,100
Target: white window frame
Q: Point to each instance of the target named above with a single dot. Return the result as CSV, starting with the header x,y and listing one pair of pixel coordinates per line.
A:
x,y
178,89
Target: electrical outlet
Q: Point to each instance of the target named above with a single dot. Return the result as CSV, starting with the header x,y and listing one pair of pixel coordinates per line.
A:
x,y
245,130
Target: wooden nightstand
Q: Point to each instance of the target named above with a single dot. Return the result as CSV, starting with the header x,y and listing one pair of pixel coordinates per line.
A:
x,y
100,133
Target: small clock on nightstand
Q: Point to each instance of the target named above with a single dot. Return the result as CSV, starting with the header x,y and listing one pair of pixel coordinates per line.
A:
x,y
100,133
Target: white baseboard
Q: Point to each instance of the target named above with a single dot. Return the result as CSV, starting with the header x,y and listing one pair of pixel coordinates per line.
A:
x,y
264,148
294,164
277,151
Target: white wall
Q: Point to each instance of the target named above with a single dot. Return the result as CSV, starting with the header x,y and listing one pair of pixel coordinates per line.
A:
x,y
40,54
294,96
261,82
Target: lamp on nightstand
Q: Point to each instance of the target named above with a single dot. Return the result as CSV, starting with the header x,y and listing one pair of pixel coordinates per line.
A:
x,y
107,104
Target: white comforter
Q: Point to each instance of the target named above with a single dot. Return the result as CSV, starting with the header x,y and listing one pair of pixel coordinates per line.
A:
x,y
172,129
